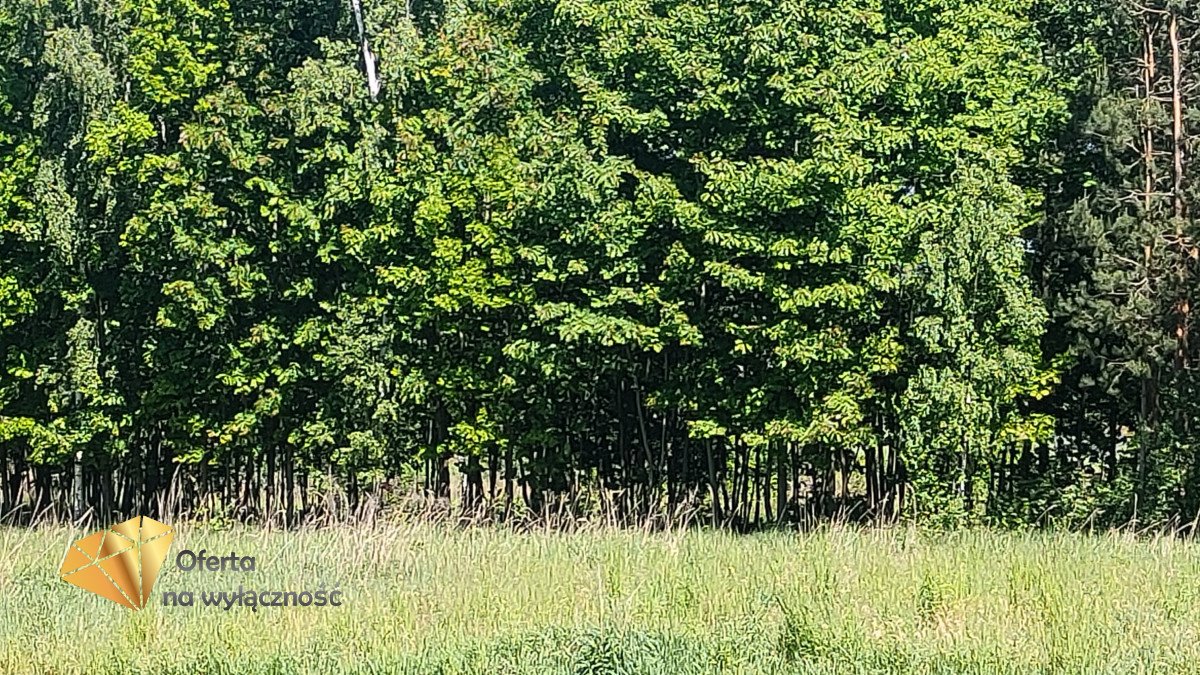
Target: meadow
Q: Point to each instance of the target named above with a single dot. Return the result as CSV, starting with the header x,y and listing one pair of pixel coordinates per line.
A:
x,y
423,598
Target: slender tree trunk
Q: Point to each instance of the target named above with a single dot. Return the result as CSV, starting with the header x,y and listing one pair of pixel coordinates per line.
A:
x,y
1182,305
42,495
717,518
762,484
126,490
1148,76
1148,385
508,483
493,460
472,485
762,488
6,501
1177,121
270,482
305,504
368,57
781,486
870,468
441,432
289,485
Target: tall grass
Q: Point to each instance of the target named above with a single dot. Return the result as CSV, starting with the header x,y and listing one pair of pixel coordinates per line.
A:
x,y
430,599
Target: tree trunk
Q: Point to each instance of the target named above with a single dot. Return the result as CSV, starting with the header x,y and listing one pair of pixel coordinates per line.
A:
x,y
717,518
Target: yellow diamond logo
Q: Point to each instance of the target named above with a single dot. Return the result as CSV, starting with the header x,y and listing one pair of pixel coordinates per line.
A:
x,y
120,563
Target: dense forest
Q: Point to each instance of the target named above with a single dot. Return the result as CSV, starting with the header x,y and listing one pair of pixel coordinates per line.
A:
x,y
756,261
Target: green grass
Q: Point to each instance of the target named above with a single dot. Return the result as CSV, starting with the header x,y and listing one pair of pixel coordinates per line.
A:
x,y
425,599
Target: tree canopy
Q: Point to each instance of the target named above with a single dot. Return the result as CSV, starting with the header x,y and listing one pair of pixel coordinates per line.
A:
x,y
762,261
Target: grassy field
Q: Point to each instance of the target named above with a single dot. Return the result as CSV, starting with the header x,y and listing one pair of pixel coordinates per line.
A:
x,y
424,599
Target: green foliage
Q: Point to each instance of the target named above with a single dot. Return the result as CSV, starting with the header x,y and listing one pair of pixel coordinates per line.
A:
x,y
766,259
